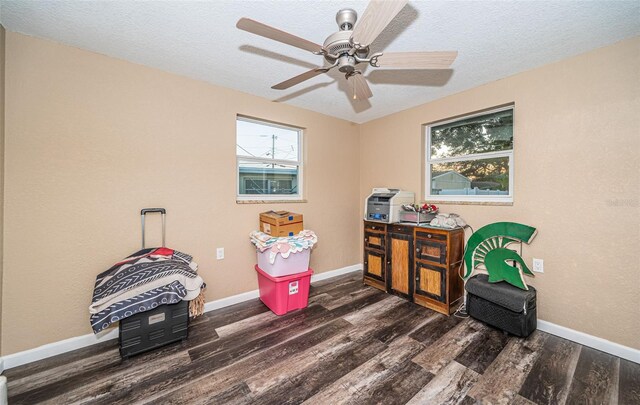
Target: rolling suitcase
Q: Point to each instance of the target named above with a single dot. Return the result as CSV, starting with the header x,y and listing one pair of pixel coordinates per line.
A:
x,y
165,324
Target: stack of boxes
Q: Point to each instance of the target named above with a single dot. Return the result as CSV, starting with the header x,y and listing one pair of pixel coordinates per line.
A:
x,y
283,282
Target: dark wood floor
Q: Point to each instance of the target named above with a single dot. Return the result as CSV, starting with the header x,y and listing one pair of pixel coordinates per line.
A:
x,y
353,344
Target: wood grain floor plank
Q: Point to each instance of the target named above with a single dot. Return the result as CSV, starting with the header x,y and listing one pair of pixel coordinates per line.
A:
x,y
481,352
236,395
202,384
325,370
551,375
449,387
629,384
352,345
233,313
270,377
404,323
358,304
210,362
368,374
313,313
435,328
502,380
519,400
595,380
441,352
348,297
89,391
45,365
404,382
51,375
259,321
366,314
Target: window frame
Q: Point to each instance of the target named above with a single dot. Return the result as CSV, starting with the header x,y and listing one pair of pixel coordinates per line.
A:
x,y
468,199
249,159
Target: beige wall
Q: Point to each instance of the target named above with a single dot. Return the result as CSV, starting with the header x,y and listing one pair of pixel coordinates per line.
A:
x,y
91,140
577,179
2,41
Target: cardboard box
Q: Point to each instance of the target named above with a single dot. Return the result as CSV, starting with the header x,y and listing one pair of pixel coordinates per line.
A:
x,y
281,223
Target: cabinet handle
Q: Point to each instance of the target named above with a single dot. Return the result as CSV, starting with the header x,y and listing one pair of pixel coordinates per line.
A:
x,y
417,250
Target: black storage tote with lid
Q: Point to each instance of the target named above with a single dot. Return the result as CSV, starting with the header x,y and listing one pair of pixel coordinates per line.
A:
x,y
502,305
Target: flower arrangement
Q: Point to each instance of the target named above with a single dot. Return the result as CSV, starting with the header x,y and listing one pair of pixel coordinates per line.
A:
x,y
424,208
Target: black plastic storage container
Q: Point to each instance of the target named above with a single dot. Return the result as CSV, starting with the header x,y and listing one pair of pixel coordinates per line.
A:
x,y
502,305
147,330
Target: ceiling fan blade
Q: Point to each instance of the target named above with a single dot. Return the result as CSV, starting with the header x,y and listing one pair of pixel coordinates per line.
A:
x,y
375,18
299,79
264,30
416,60
359,87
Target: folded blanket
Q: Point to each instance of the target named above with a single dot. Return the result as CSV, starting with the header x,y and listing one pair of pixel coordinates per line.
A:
x,y
141,282
284,245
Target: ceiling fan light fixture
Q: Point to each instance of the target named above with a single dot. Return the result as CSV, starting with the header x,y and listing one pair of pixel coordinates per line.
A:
x,y
346,63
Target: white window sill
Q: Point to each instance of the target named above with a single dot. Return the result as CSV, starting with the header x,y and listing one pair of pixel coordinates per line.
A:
x,y
452,202
269,201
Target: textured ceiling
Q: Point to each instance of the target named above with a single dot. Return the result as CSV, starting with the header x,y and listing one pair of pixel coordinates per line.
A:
x,y
198,39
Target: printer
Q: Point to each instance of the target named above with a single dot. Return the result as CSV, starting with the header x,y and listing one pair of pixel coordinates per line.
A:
x,y
385,204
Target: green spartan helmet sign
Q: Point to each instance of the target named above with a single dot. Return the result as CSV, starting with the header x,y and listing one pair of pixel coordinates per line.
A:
x,y
488,247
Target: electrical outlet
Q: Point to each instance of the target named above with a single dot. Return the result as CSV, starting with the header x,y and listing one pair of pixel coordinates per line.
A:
x,y
220,253
538,265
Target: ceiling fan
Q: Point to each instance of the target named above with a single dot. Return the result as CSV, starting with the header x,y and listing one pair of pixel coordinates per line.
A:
x,y
349,47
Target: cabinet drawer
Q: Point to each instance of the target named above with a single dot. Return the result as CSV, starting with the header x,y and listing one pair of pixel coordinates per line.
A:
x,y
375,227
400,229
428,234
374,240
431,250
431,282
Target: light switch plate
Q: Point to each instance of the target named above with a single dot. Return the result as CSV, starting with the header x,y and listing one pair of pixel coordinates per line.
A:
x,y
220,253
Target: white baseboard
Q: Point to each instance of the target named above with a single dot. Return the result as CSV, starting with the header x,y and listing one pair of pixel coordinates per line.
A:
x,y
78,342
67,345
336,273
3,390
595,342
249,295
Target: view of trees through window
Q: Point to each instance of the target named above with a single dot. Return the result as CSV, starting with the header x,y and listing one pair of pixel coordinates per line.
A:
x,y
471,156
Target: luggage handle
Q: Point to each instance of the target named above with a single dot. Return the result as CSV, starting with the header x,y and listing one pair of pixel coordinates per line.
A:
x,y
146,211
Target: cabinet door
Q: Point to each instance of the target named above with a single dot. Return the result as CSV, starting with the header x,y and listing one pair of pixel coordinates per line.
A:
x,y
374,240
374,264
431,281
400,265
432,250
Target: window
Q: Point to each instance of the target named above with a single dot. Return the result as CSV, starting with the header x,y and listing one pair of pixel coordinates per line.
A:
x,y
269,160
471,158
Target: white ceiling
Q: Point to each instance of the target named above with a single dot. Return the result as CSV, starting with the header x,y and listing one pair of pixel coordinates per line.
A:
x,y
198,39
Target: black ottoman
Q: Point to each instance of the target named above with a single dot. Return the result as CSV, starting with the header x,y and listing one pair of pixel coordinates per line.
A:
x,y
502,305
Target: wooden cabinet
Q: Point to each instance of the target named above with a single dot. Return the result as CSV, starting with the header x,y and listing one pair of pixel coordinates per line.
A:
x,y
400,261
375,263
420,264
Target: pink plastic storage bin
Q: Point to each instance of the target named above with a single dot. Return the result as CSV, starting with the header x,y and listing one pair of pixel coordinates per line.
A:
x,y
284,294
296,263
